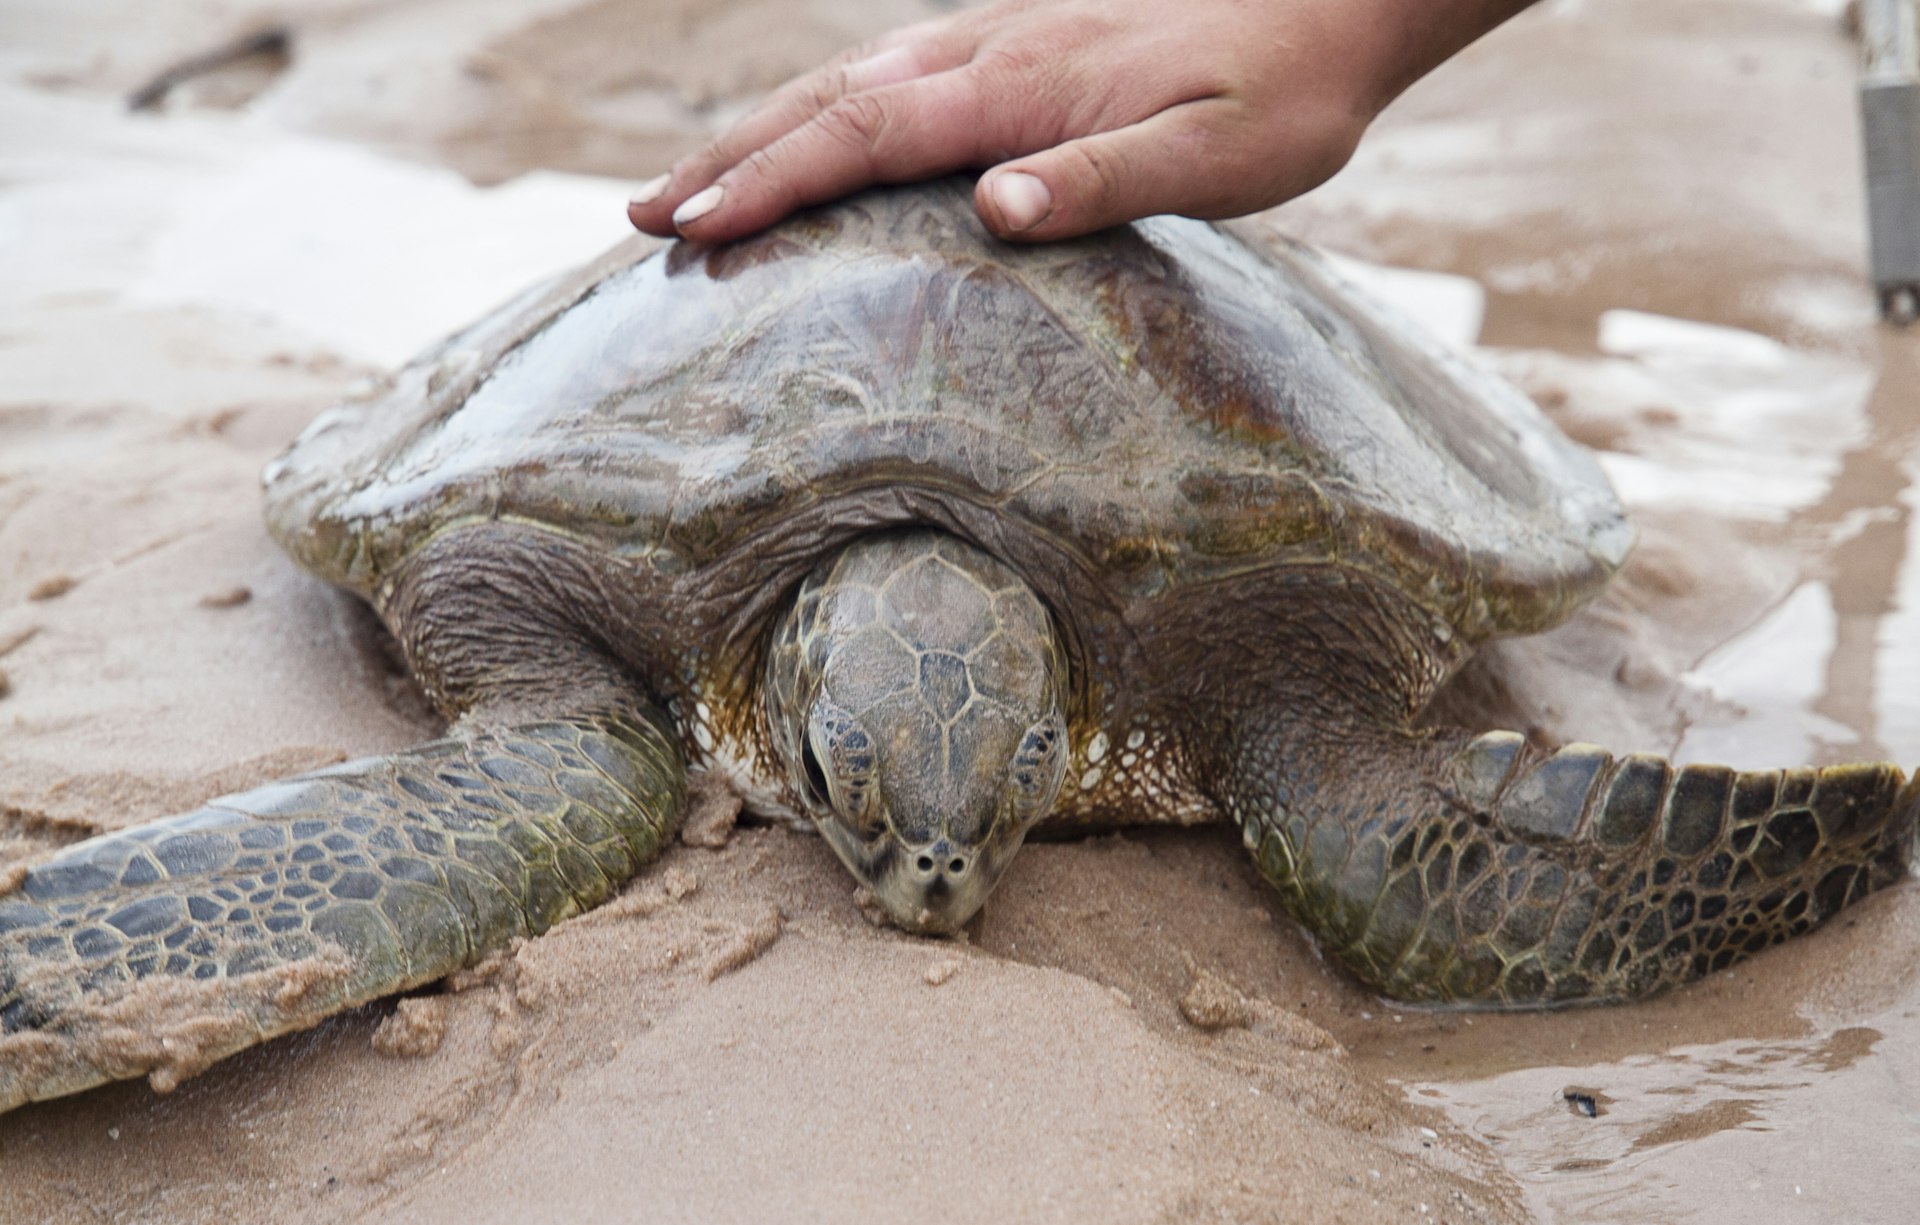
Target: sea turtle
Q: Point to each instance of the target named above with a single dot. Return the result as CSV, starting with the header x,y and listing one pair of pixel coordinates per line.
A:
x,y
920,538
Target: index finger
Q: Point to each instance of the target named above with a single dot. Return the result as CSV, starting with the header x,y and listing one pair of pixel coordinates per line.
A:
x,y
901,55
898,134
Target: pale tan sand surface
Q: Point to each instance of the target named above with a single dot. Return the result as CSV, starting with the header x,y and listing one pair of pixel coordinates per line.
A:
x,y
1132,1031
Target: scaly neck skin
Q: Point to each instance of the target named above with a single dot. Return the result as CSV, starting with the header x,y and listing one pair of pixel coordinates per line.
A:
x,y
914,698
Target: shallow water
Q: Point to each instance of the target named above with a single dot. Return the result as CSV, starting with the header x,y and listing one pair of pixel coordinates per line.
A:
x,y
1647,213
1799,1099
1770,465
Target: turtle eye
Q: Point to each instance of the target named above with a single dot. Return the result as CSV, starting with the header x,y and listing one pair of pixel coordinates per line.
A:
x,y
1038,765
816,778
837,761
853,767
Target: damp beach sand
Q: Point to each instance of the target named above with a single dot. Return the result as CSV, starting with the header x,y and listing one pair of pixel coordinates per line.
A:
x,y
1645,212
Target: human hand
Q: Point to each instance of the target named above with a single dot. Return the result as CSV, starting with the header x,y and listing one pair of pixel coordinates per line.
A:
x,y
1090,113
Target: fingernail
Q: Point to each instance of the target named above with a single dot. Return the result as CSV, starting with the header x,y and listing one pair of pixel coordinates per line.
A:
x,y
651,190
1023,199
699,204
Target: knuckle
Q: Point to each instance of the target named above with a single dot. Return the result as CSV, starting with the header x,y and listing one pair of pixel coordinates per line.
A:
x,y
1098,171
761,165
827,89
861,121
1044,116
1055,42
765,179
1080,29
1015,64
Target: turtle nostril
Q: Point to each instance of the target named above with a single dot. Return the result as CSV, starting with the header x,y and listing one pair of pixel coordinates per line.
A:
x,y
957,866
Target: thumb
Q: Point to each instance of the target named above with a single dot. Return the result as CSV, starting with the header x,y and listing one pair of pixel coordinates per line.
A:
x,y
1110,178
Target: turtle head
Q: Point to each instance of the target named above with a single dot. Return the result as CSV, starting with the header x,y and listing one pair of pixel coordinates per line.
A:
x,y
915,695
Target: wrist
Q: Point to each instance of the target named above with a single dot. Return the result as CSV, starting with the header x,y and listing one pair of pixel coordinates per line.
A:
x,y
1400,41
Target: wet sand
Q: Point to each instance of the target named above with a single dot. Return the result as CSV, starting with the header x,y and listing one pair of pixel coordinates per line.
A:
x,y
730,1040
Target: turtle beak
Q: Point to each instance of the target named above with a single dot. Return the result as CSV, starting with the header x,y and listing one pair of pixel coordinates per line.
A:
x,y
930,890
944,885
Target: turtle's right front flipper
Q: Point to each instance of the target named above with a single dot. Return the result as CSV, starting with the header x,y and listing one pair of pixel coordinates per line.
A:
x,y
159,949
1482,871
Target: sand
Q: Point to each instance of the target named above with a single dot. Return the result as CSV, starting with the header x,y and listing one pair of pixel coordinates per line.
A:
x,y
1132,1031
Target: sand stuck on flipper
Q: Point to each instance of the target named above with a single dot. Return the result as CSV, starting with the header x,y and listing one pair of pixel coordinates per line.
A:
x,y
168,1030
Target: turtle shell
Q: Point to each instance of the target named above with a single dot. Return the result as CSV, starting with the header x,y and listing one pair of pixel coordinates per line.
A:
x,y
1161,405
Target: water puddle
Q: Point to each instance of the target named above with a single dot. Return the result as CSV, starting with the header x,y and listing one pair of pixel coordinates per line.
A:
x,y
1451,307
1815,1129
1790,1090
254,223
1689,416
442,251
1762,689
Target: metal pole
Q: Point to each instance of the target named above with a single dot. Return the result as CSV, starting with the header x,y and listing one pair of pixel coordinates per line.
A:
x,y
1890,120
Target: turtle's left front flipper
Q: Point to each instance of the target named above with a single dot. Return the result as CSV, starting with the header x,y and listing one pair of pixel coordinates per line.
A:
x,y
1482,871
159,949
